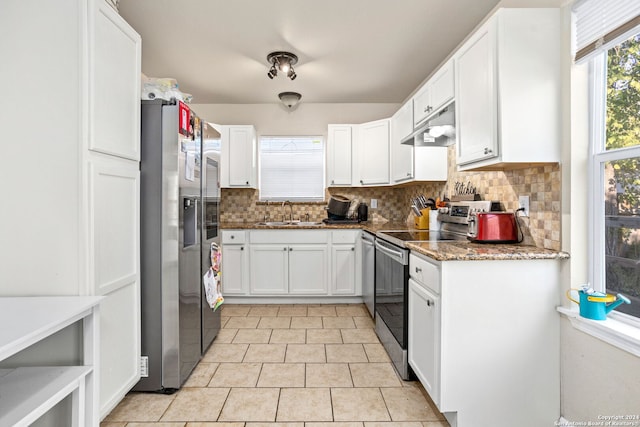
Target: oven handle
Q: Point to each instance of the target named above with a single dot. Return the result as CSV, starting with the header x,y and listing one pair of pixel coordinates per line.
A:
x,y
398,255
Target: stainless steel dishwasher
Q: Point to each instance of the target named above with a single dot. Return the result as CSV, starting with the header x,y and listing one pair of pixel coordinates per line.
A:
x,y
368,250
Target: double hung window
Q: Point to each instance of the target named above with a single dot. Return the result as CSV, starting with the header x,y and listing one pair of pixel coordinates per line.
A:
x,y
614,187
292,168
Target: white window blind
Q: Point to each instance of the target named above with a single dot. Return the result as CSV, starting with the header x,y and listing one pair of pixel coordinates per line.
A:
x,y
599,24
292,168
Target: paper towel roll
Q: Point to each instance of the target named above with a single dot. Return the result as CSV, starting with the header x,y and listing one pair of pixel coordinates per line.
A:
x,y
434,224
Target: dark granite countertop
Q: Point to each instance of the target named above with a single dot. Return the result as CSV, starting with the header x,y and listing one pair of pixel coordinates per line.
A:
x,y
459,250
467,251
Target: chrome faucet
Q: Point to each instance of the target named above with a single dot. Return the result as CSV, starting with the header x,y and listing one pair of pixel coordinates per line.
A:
x,y
266,212
286,202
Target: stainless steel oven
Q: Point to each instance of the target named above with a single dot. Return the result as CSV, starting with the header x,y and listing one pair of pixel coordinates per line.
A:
x,y
392,276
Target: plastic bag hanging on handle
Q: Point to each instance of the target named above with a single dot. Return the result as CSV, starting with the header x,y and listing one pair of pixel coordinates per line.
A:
x,y
211,279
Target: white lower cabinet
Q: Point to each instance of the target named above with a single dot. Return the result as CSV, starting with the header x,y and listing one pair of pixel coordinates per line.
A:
x,y
484,334
235,265
343,272
289,269
269,267
424,337
290,263
308,270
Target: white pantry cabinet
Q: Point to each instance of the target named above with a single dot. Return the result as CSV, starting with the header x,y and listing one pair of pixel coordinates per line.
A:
x,y
437,92
340,155
373,153
81,193
238,168
401,154
473,338
507,84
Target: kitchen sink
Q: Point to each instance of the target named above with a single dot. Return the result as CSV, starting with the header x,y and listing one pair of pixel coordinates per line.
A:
x,y
289,223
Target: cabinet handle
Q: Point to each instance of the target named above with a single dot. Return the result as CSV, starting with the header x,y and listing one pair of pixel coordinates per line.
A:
x,y
290,249
333,181
284,249
431,303
488,151
242,248
353,249
418,270
408,173
247,182
233,237
361,182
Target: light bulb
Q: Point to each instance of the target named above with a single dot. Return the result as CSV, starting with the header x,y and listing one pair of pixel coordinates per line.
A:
x,y
285,67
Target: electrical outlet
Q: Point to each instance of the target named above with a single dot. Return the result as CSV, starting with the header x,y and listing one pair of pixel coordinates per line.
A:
x,y
374,203
523,202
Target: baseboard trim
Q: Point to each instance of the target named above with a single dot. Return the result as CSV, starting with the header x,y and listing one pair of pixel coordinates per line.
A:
x,y
291,300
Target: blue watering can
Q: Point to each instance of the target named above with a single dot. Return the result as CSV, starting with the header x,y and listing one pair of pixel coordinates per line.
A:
x,y
596,305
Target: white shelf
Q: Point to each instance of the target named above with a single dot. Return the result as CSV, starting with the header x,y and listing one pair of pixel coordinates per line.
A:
x,y
27,393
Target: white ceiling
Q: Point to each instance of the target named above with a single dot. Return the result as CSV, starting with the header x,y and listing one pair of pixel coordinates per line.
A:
x,y
350,51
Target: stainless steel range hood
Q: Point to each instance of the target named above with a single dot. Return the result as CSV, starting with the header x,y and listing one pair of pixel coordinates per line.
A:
x,y
439,131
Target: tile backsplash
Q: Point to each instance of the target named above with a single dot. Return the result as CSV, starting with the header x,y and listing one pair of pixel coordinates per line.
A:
x,y
540,183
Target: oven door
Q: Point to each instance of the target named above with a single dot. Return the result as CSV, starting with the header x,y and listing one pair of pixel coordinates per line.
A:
x,y
392,276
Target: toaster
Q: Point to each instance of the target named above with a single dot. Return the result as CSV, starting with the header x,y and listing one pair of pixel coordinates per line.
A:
x,y
493,227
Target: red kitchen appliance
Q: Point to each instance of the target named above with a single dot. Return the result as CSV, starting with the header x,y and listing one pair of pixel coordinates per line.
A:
x,y
493,227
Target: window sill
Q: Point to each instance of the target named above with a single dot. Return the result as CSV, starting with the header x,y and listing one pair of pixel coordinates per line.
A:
x,y
619,334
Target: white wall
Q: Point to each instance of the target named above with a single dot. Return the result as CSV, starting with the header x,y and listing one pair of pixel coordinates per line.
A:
x,y
596,378
305,119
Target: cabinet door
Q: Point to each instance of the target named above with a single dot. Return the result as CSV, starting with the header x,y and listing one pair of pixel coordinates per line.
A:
x,y
242,154
114,253
339,155
114,118
234,266
422,105
424,338
373,150
476,98
269,268
402,154
442,87
308,269
343,270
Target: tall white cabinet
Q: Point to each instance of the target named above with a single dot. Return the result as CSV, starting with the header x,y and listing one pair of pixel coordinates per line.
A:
x,y
73,178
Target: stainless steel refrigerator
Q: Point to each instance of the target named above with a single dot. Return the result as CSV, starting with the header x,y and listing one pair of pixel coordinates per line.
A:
x,y
177,323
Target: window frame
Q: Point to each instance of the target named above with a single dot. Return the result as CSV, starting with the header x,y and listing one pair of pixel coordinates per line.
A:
x,y
321,199
598,157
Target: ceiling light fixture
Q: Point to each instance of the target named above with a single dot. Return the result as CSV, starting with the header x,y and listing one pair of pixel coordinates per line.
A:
x,y
283,62
290,99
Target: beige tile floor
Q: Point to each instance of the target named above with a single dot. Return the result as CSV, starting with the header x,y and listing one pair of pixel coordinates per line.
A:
x,y
288,366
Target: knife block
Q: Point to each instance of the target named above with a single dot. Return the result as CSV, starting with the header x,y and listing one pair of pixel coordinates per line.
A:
x,y
422,222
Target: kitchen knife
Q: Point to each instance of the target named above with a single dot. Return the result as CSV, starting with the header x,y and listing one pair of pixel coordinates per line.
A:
x,y
416,211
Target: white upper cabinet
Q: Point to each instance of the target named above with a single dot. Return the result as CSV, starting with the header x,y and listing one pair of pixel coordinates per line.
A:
x,y
340,155
507,83
238,166
401,154
114,97
373,153
434,95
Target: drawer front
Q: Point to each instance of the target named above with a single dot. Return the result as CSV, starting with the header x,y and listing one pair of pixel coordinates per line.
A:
x,y
289,236
233,237
344,236
425,273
